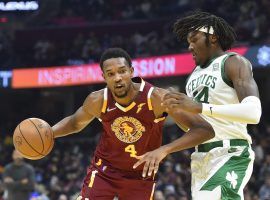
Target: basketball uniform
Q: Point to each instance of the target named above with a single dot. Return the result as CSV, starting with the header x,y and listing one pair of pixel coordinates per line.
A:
x,y
127,132
222,166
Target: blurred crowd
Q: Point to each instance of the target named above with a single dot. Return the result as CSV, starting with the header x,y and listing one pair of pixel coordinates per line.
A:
x,y
76,32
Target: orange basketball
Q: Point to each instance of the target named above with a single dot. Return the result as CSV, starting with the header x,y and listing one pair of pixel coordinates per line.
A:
x,y
33,138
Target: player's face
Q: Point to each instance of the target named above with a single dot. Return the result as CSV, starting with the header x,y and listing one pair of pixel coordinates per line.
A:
x,y
117,74
199,47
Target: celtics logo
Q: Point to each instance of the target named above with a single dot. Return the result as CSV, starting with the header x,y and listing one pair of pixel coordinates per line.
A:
x,y
127,129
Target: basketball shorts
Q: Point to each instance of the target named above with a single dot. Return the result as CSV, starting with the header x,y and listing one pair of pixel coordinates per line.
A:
x,y
105,183
220,170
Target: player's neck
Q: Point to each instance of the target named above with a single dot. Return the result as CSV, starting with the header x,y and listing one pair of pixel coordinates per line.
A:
x,y
217,53
213,55
131,95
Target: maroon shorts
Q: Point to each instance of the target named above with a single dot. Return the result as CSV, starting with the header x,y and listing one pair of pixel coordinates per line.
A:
x,y
105,183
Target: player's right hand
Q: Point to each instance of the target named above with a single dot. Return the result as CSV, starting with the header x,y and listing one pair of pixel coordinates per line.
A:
x,y
151,161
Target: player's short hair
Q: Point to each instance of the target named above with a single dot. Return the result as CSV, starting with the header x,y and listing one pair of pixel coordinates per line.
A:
x,y
114,53
196,20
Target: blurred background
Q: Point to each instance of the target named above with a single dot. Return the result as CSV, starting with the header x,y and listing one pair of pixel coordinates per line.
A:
x,y
49,51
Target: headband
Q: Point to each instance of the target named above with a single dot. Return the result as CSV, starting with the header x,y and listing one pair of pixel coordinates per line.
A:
x,y
205,29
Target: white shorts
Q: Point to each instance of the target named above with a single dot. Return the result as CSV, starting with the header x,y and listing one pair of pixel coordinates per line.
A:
x,y
220,170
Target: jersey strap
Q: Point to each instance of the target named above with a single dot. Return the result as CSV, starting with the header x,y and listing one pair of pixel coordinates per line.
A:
x,y
149,98
105,100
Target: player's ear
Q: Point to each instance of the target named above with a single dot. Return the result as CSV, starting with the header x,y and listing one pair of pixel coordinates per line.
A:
x,y
103,75
213,39
131,71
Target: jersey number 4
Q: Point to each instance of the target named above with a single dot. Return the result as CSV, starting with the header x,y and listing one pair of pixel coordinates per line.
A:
x,y
202,96
131,150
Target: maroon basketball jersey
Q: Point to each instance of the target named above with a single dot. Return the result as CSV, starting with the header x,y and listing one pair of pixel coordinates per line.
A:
x,y
128,131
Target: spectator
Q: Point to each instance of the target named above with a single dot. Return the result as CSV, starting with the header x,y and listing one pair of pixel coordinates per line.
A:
x,y
19,178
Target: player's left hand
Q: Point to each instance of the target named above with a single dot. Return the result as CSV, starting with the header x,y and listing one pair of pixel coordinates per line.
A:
x,y
176,100
151,160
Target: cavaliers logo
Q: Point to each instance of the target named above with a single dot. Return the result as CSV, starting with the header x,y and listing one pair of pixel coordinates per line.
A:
x,y
127,129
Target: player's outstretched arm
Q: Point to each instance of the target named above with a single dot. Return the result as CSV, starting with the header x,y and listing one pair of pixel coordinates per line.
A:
x,y
198,132
74,123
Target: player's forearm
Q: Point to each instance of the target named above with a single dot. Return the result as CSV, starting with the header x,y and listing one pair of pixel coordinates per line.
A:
x,y
248,111
66,126
192,138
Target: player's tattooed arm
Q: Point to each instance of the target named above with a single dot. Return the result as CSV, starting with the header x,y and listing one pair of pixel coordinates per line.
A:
x,y
74,123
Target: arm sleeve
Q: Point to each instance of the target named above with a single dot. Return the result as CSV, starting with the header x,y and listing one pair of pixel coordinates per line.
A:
x,y
248,111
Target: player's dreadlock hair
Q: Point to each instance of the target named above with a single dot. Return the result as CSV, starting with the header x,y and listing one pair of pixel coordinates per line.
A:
x,y
224,32
114,53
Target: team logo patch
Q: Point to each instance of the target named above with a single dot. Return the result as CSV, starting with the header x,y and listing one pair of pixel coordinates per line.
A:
x,y
127,129
215,67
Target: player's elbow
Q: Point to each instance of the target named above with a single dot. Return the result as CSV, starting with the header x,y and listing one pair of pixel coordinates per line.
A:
x,y
255,118
253,110
205,131
254,114
77,127
74,125
211,132
208,131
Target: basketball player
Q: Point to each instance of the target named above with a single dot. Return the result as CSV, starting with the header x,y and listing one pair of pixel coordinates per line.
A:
x,y
226,95
132,117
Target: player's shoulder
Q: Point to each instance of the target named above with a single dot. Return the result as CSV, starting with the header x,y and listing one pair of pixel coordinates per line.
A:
x,y
236,59
236,65
156,99
96,96
98,93
94,100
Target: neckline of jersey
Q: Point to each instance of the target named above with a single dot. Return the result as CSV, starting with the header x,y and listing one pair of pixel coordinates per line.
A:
x,y
211,60
133,103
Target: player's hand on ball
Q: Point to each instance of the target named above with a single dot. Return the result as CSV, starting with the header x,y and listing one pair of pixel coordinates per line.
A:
x,y
151,161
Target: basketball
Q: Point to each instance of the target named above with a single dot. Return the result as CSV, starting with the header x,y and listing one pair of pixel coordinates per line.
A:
x,y
33,138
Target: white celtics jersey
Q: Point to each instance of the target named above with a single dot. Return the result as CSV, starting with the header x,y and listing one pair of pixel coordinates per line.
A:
x,y
211,85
